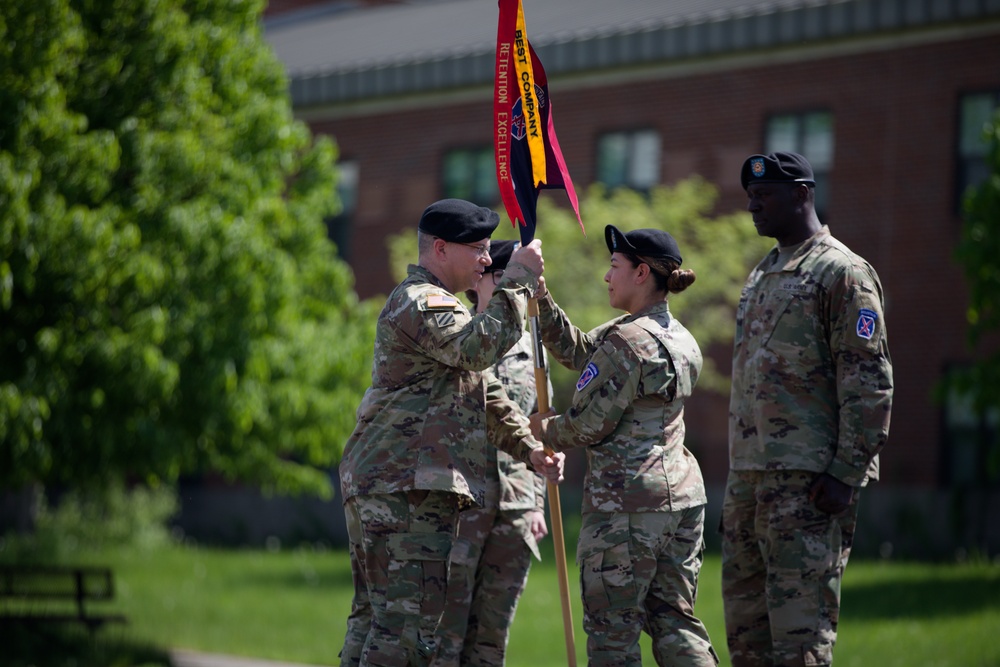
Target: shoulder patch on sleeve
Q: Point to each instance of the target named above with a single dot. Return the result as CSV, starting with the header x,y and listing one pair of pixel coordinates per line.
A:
x,y
445,319
589,373
865,327
440,302
863,321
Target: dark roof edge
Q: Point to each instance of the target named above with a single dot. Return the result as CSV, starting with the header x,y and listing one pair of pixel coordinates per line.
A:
x,y
429,98
483,90
802,26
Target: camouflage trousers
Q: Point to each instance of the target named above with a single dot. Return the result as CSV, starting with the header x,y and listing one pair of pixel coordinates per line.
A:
x,y
403,552
483,600
782,564
360,618
640,572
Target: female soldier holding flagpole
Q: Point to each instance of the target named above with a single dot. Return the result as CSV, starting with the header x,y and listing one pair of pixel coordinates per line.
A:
x,y
641,541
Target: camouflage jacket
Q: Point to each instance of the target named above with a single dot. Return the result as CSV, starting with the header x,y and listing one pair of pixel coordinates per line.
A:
x,y
628,409
812,377
519,487
435,402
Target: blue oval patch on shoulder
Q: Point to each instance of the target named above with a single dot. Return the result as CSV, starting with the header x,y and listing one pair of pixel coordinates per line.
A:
x,y
589,373
866,323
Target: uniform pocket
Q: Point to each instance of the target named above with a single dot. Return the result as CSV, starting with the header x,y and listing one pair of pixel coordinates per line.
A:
x,y
387,655
417,572
606,579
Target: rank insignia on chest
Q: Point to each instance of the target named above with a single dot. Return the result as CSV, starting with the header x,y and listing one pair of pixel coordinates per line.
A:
x,y
866,323
589,373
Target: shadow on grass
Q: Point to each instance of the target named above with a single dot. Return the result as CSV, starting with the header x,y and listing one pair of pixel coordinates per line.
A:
x,y
923,597
67,645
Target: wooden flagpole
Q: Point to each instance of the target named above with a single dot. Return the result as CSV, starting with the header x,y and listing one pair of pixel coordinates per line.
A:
x,y
555,507
511,40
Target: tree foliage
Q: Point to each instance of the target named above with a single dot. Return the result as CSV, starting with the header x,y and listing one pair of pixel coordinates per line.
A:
x,y
169,302
721,249
978,252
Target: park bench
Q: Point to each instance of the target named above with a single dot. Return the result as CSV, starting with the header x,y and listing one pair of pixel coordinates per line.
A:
x,y
31,594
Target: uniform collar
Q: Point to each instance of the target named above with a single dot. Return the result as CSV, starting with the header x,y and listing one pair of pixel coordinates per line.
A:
x,y
650,311
803,251
417,273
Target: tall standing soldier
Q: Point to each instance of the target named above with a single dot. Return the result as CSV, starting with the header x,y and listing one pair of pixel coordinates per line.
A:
x,y
808,415
417,456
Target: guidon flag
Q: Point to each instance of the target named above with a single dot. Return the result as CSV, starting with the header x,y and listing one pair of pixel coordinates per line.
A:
x,y
528,157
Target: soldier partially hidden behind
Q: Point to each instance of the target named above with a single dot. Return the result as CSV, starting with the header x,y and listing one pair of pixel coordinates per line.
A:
x,y
504,532
417,456
808,415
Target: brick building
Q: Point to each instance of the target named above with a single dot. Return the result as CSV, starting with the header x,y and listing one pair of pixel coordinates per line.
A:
x,y
886,98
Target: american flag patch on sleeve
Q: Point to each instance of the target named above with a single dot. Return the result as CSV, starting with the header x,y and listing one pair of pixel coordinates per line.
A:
x,y
441,301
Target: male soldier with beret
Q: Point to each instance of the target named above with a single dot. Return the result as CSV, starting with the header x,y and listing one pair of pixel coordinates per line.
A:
x,y
417,456
808,415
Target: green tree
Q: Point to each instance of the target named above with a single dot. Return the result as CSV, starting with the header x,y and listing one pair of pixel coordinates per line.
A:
x,y
169,302
978,252
720,248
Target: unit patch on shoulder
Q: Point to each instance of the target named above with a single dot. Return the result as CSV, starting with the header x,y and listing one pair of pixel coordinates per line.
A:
x,y
866,323
589,373
436,301
444,319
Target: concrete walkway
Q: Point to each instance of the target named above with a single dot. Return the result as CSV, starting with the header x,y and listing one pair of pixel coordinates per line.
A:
x,y
184,658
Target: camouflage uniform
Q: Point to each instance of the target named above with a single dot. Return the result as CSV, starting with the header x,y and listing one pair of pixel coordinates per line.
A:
x,y
360,618
500,536
811,393
640,547
418,455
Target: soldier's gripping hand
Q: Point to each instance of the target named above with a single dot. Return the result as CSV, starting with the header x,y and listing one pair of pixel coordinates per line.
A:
x,y
549,466
530,256
542,290
828,494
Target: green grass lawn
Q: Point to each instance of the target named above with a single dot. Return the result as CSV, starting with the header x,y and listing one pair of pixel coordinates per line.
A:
x,y
292,605
894,615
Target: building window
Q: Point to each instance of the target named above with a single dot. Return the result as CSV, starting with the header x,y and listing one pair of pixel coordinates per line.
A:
x,y
974,112
629,159
471,174
340,227
972,445
811,135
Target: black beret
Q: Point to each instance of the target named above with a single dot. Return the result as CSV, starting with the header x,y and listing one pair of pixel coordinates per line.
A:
x,y
777,167
458,221
500,252
652,243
